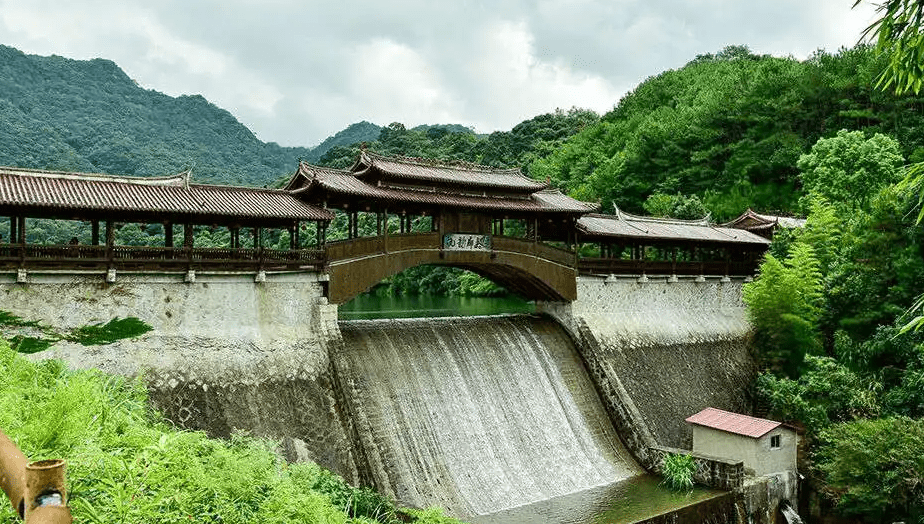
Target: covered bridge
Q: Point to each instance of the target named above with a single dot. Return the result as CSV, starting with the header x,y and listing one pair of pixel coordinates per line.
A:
x,y
173,202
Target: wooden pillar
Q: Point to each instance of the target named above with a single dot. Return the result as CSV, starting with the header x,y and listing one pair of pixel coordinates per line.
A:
x,y
257,237
293,238
14,234
317,234
378,223
94,232
110,238
296,235
385,243
188,235
168,234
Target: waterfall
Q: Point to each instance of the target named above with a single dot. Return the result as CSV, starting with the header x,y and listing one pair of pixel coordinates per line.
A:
x,y
789,513
476,414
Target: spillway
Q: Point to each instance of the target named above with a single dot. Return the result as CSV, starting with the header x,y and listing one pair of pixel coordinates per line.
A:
x,y
476,414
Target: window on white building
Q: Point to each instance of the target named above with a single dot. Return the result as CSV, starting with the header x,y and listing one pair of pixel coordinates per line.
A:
x,y
775,442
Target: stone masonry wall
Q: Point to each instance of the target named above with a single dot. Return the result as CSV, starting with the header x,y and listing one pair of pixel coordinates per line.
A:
x,y
229,351
663,350
712,472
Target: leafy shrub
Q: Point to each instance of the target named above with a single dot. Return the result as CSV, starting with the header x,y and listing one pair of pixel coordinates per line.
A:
x,y
875,468
678,470
125,464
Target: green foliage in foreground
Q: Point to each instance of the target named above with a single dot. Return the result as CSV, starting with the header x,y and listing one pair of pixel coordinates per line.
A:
x,y
876,468
126,465
831,335
677,470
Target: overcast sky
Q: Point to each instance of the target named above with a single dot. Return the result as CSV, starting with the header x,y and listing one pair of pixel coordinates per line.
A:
x,y
298,71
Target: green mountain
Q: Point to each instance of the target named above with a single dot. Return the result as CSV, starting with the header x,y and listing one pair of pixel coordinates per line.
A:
x,y
354,134
730,128
58,113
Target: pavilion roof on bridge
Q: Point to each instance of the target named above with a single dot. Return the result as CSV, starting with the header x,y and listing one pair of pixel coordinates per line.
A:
x,y
403,171
634,227
764,224
59,194
310,179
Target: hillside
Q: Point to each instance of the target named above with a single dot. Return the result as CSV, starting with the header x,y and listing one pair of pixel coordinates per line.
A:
x,y
730,127
353,134
58,113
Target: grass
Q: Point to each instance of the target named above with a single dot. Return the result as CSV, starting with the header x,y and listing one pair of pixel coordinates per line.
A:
x,y
126,464
677,470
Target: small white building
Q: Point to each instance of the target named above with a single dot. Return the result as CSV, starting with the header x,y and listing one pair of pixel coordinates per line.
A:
x,y
763,445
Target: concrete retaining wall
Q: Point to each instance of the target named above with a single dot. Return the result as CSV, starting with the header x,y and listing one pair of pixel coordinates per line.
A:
x,y
663,349
229,351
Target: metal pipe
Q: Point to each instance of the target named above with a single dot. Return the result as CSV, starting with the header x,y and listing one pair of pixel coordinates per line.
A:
x,y
44,486
36,490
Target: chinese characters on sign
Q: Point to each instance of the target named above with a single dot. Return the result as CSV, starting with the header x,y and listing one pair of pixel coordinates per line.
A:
x,y
460,242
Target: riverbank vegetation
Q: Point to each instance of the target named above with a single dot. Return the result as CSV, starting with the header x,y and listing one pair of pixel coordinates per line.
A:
x,y
126,464
829,308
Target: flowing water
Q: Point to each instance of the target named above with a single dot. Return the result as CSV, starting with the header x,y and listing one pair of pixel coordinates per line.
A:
x,y
478,414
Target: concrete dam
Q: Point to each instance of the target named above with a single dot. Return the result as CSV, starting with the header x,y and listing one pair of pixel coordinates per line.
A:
x,y
475,414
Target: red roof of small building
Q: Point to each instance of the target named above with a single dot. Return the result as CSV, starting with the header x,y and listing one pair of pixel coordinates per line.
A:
x,y
733,422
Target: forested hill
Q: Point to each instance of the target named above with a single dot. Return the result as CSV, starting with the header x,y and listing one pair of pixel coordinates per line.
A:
x,y
730,128
353,134
58,113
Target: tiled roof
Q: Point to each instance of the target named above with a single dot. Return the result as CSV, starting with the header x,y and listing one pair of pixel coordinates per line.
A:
x,y
58,190
347,183
751,219
733,422
624,225
426,171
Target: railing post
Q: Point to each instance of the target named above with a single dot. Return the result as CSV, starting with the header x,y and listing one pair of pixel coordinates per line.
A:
x,y
13,474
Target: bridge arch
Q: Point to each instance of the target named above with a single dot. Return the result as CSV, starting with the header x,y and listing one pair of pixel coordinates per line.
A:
x,y
532,270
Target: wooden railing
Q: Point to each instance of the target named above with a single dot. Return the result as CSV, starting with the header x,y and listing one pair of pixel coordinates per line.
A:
x,y
146,257
522,245
367,246
604,266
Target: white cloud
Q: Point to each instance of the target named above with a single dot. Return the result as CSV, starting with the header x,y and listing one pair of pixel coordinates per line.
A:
x,y
397,83
296,71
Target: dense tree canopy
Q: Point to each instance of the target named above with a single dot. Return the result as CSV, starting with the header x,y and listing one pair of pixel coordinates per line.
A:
x,y
730,128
